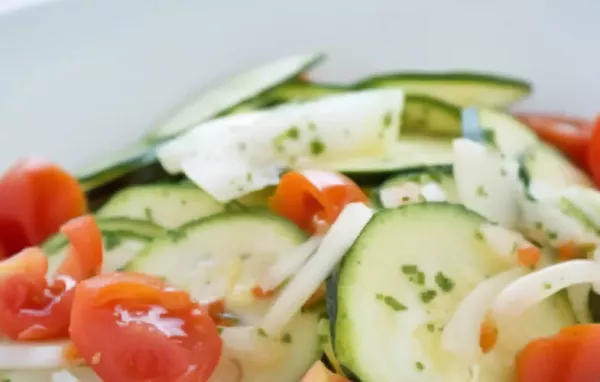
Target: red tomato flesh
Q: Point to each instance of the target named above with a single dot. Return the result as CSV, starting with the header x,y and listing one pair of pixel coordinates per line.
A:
x,y
36,198
314,199
132,327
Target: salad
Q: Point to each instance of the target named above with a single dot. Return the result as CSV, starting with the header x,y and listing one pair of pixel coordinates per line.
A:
x,y
408,227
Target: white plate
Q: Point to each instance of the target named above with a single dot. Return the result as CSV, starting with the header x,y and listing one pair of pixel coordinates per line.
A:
x,y
78,77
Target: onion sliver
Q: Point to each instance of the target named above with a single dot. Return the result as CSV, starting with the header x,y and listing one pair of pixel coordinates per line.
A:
x,y
530,289
27,356
289,264
335,243
461,334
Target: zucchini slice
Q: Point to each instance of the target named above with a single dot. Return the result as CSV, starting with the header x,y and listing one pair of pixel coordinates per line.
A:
x,y
432,184
232,92
459,88
409,269
168,205
222,257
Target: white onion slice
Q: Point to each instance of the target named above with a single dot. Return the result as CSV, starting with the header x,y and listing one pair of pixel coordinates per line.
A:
x,y
288,264
28,356
461,334
432,192
503,242
335,243
539,285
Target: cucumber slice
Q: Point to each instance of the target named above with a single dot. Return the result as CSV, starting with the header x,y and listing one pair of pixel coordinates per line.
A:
x,y
223,256
546,165
461,89
433,184
168,205
410,286
505,132
406,154
295,91
232,92
430,116
122,239
115,166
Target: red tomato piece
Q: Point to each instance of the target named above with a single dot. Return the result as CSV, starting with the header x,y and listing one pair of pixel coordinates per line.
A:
x,y
570,356
36,198
593,154
314,199
569,135
132,327
30,307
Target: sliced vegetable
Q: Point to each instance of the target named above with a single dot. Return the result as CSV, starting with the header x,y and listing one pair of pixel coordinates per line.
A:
x,y
461,89
569,135
314,199
486,183
568,356
594,153
31,308
410,268
229,163
232,92
429,184
133,327
36,198
405,155
335,243
168,205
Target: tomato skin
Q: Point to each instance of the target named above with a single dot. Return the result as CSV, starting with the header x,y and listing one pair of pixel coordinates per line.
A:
x,y
570,356
313,199
132,327
36,198
31,308
593,154
572,141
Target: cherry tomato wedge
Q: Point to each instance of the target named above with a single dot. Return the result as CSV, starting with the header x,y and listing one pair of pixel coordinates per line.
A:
x,y
570,356
31,308
132,327
36,198
569,135
314,199
593,154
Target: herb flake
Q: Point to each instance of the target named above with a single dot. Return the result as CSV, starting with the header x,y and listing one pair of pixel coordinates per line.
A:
x,y
428,295
445,283
481,192
420,366
317,147
286,338
391,302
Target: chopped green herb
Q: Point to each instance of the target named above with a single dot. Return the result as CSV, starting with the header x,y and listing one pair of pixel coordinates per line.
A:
x,y
489,136
111,241
317,147
539,225
249,177
406,198
387,120
481,192
547,286
420,366
149,214
428,295
293,133
220,329
552,235
391,302
286,338
261,332
177,235
409,269
418,278
444,282
431,327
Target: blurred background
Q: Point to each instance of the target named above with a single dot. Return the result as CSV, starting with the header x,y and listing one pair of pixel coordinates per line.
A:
x,y
78,77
